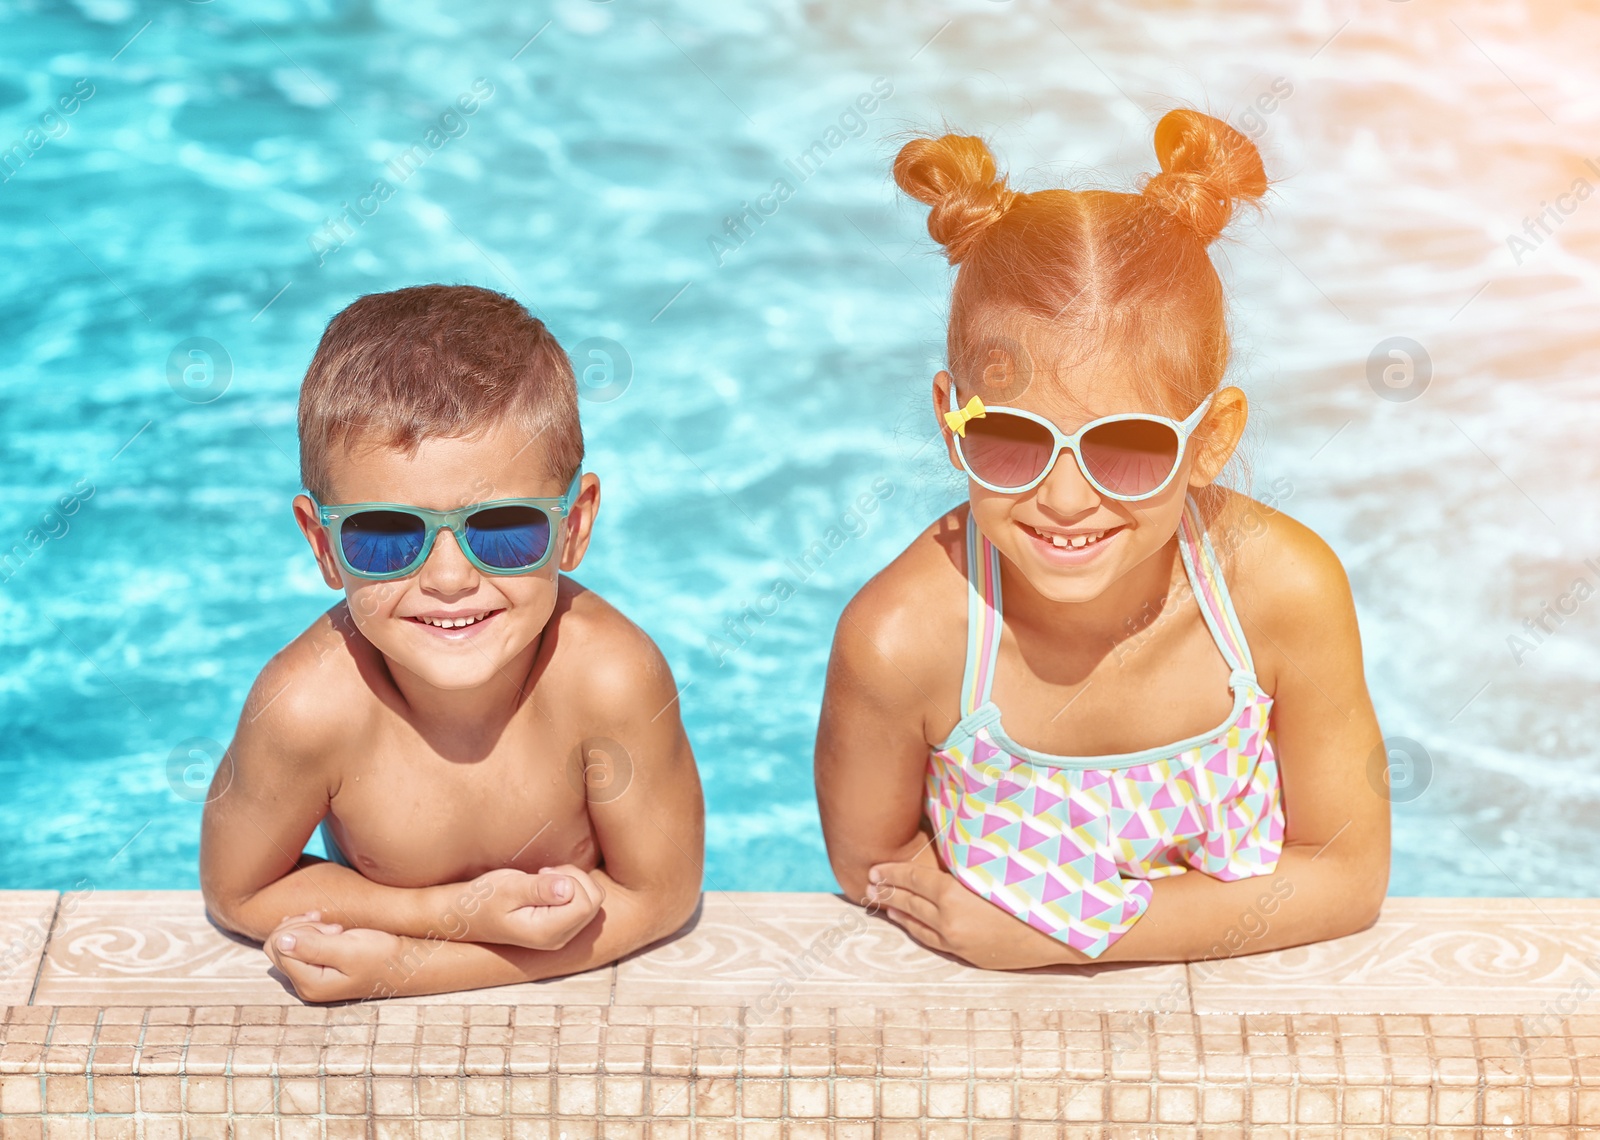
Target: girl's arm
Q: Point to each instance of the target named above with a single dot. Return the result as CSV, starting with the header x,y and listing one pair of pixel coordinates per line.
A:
x,y
1334,871
872,750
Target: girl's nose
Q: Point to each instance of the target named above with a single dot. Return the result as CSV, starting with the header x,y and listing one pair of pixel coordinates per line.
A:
x,y
1065,492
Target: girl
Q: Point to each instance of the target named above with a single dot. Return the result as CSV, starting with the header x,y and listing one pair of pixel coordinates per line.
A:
x,y
1108,709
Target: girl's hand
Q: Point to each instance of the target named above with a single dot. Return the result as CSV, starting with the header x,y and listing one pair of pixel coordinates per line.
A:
x,y
326,962
942,914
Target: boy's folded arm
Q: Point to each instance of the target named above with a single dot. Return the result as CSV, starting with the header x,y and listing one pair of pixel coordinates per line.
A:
x,y
325,963
271,790
628,920
649,821
347,898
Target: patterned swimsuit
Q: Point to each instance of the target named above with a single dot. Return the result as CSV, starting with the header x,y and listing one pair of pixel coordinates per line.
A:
x,y
1069,844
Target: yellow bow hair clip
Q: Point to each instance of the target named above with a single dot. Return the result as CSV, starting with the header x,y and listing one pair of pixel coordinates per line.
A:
x,y
958,419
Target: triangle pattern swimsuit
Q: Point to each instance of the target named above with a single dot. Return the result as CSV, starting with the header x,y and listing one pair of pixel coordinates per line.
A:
x,y
1069,844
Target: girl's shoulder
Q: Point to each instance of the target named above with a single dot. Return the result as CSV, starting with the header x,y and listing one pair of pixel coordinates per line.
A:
x,y
1286,583
914,610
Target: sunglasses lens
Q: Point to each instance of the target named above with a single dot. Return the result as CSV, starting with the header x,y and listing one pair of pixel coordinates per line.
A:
x,y
1006,450
509,538
381,542
1130,457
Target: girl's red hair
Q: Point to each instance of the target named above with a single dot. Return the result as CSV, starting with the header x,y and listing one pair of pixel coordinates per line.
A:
x,y
1099,268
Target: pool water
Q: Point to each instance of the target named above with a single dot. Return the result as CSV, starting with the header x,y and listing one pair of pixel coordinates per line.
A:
x,y
177,242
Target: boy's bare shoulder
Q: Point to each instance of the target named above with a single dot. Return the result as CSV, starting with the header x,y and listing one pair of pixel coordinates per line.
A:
x,y
603,658
311,697
914,609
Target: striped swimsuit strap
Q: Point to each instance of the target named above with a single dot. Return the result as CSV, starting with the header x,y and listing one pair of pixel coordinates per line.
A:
x,y
985,609
1211,590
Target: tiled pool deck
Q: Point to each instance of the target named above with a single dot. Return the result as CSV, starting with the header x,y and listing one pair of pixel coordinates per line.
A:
x,y
782,1015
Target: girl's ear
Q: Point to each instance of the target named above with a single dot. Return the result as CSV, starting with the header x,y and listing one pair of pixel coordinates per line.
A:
x,y
1218,435
305,514
942,383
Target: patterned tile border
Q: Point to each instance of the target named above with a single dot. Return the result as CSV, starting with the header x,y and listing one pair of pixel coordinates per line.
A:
x,y
25,918
1426,956
159,948
1462,956
768,950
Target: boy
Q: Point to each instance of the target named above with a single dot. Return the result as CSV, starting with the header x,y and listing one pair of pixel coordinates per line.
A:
x,y
497,754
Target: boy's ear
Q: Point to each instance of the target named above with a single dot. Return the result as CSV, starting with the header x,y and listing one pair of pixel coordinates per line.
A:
x,y
942,383
579,522
305,514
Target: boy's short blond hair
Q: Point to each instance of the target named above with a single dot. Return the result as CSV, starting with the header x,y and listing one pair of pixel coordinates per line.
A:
x,y
437,361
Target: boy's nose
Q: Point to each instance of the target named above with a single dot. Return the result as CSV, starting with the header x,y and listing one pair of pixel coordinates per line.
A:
x,y
447,569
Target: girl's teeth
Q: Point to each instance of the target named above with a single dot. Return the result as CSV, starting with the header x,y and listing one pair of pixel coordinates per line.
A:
x,y
1076,540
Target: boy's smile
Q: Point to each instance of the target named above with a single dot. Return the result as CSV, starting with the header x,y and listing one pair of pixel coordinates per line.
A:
x,y
448,624
459,624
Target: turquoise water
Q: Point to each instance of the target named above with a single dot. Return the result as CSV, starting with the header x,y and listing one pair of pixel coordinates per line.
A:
x,y
177,242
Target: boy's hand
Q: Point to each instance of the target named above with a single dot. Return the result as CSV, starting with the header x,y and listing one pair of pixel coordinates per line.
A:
x,y
542,911
326,962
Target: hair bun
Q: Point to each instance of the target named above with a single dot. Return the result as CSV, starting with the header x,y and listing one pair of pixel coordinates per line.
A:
x,y
956,175
1207,168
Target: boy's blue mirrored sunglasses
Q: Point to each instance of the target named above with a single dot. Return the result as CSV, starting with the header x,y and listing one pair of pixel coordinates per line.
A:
x,y
391,540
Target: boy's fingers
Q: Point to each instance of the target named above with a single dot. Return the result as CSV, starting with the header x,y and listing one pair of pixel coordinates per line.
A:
x,y
586,886
593,891
287,936
312,983
550,888
316,945
299,973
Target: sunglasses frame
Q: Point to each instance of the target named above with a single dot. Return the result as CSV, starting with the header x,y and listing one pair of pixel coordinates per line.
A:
x,y
335,515
1184,429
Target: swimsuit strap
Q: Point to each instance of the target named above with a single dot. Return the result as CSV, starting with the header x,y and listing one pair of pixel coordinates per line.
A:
x,y
984,605
983,619
1211,591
